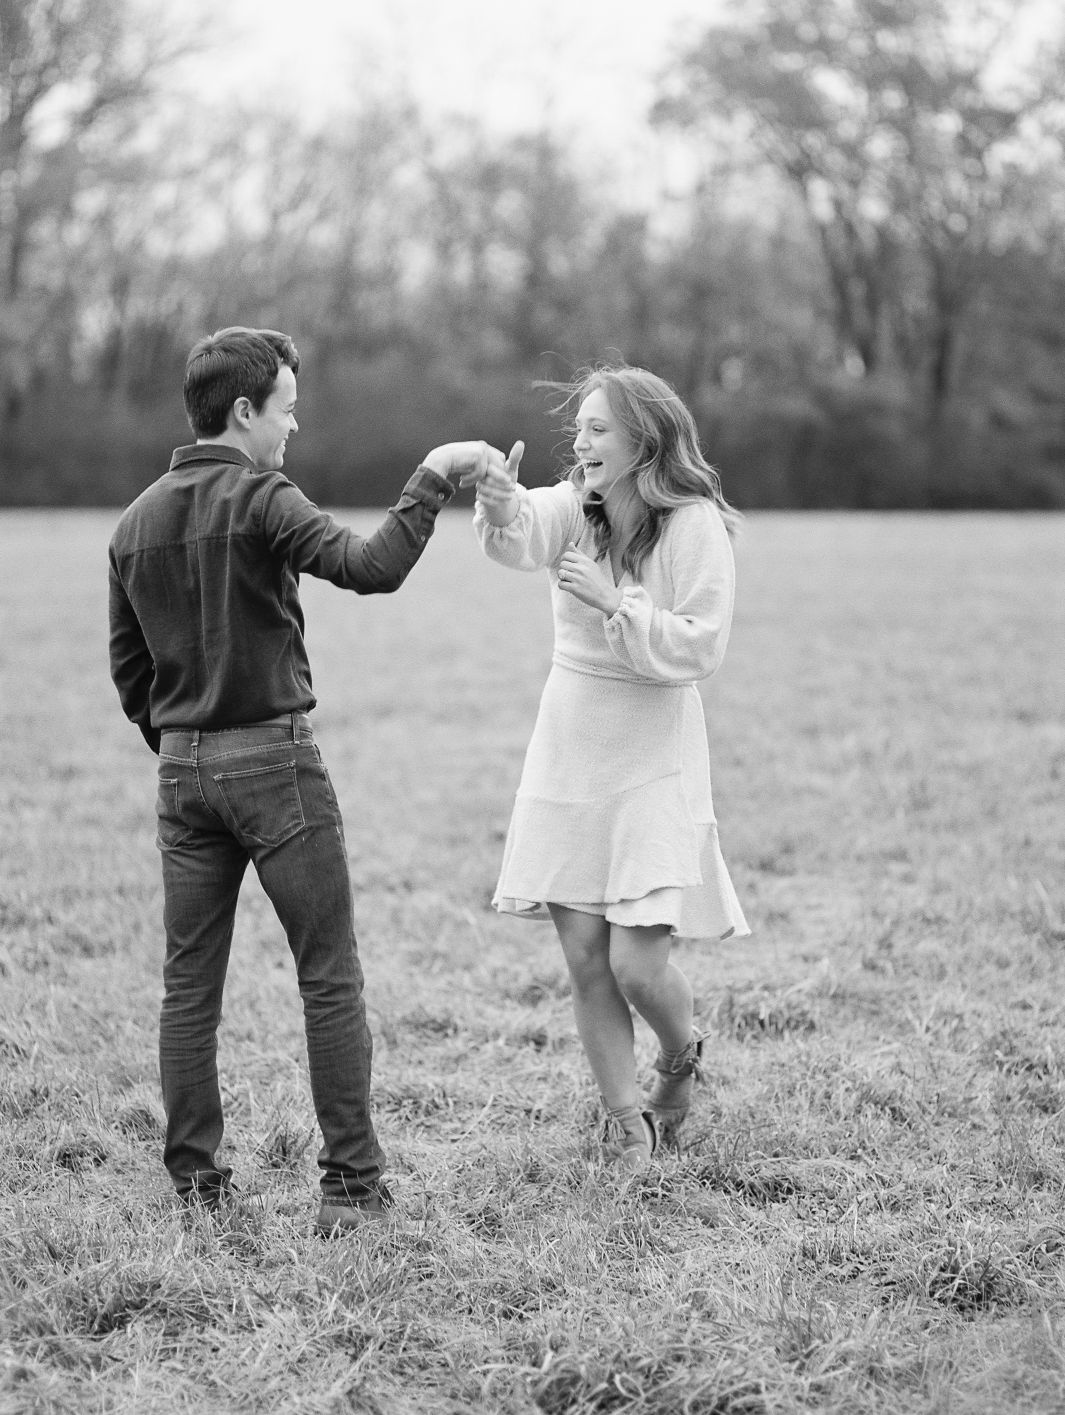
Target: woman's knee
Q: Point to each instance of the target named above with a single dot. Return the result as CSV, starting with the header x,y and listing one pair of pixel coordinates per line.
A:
x,y
589,966
639,965
585,940
638,983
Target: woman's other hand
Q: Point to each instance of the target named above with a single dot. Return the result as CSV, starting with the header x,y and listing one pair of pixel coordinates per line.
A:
x,y
587,580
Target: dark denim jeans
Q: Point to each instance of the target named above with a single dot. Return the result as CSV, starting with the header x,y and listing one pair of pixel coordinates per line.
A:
x,y
259,793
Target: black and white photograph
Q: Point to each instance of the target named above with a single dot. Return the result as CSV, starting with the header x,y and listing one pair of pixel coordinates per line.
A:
x,y
532,696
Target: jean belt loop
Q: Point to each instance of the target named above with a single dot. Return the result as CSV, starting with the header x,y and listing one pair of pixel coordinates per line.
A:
x,y
295,727
194,742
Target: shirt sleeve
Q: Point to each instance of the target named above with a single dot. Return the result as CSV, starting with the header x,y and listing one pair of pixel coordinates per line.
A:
x,y
132,667
685,641
312,542
547,520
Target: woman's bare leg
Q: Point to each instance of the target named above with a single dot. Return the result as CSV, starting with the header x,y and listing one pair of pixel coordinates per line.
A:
x,y
659,991
604,1022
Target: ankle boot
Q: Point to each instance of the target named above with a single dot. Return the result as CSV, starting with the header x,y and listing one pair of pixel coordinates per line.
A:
x,y
670,1096
630,1137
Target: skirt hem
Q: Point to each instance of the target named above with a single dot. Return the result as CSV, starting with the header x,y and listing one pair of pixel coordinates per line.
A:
x,y
537,912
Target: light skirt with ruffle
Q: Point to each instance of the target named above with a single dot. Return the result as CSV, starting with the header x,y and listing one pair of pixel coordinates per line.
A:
x,y
614,813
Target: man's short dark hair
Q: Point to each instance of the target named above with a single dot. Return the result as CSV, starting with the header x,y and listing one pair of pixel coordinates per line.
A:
x,y
230,364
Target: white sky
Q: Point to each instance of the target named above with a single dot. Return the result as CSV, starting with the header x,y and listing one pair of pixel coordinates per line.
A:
x,y
586,68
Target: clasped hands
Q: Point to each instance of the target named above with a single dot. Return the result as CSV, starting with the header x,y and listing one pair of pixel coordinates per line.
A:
x,y
495,478
466,462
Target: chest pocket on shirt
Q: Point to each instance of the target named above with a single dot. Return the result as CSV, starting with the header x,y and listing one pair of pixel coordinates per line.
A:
x,y
263,803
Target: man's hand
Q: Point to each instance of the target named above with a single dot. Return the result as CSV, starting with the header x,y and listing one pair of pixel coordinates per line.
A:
x,y
586,579
464,462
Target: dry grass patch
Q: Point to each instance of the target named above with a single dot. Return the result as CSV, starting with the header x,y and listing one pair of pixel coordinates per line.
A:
x,y
865,1215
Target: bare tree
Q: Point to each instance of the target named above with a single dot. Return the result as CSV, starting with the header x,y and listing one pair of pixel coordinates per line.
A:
x,y
915,160
72,73
513,229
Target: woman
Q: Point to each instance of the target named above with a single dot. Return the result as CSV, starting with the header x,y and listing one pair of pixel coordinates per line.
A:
x,y
613,831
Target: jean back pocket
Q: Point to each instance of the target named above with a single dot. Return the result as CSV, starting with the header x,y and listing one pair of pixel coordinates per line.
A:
x,y
263,803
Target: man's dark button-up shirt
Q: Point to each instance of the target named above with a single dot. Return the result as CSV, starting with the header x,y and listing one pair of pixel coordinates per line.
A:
x,y
206,622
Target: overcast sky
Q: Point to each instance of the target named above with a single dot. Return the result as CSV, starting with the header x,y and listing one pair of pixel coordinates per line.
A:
x,y
586,67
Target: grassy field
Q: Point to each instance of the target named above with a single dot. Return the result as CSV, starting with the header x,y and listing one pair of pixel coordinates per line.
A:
x,y
869,1214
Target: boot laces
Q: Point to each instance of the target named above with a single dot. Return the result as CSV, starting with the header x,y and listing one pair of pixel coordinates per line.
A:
x,y
685,1063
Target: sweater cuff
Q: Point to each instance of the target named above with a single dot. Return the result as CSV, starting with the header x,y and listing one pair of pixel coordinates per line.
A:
x,y
632,597
482,523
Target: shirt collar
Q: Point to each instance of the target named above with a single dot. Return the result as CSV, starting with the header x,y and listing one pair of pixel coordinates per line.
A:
x,y
202,452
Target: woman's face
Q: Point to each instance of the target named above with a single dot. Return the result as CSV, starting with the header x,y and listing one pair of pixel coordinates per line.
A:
x,y
605,452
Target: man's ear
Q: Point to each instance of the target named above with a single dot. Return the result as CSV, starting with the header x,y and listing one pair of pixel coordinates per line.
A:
x,y
241,412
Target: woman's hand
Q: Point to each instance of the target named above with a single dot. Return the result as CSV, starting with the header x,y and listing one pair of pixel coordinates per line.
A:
x,y
586,579
497,489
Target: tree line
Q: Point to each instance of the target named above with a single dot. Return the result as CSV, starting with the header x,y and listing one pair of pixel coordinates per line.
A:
x,y
861,295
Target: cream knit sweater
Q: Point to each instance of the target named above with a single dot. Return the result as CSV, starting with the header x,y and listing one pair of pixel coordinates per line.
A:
x,y
671,627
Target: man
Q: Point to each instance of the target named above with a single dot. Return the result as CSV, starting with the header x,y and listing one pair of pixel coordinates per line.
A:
x,y
208,656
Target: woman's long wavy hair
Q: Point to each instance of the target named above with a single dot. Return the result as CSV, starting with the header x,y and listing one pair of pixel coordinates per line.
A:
x,y
669,469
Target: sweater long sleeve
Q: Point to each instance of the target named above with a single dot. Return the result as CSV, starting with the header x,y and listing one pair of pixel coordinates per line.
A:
x,y
672,625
